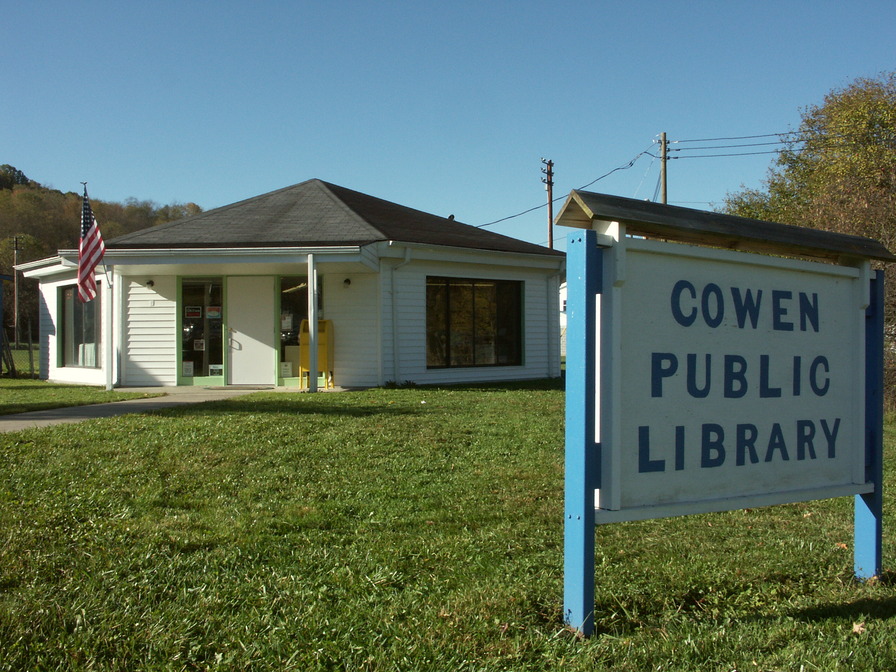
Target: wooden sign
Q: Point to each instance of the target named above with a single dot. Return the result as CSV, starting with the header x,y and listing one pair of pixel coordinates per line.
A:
x,y
702,379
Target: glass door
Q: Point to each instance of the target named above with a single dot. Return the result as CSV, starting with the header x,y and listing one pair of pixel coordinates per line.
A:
x,y
202,320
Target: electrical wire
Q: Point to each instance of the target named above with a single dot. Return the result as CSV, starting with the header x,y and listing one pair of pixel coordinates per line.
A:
x,y
818,147
787,138
741,137
717,156
644,177
656,191
625,166
748,144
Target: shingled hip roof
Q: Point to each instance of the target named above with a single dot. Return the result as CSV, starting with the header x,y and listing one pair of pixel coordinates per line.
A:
x,y
317,214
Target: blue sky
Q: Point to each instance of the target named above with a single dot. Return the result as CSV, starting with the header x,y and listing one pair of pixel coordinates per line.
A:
x,y
443,106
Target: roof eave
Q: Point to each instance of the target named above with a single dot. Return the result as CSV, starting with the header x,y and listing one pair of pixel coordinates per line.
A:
x,y
654,220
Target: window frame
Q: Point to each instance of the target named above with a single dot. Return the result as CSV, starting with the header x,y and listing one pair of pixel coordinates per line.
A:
x,y
70,314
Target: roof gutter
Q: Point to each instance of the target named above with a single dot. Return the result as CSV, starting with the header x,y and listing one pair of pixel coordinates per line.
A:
x,y
224,251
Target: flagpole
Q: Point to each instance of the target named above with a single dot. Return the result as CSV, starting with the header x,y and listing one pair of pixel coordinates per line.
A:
x,y
108,321
91,250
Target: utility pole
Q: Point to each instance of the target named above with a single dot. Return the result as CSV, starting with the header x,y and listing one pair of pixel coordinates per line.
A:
x,y
664,159
549,186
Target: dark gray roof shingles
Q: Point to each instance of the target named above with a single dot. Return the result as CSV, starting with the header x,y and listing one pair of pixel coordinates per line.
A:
x,y
314,214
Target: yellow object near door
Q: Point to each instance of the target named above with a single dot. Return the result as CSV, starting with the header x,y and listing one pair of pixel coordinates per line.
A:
x,y
324,352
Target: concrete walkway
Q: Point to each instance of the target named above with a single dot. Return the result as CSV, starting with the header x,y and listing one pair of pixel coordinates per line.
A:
x,y
173,396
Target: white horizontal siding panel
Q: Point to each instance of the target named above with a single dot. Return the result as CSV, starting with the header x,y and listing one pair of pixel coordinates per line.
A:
x,y
354,312
150,340
538,315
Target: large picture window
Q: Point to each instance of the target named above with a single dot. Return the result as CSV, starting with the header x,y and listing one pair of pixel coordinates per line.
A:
x,y
81,331
473,322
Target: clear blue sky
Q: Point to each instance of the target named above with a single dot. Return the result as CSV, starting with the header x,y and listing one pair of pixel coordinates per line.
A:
x,y
443,106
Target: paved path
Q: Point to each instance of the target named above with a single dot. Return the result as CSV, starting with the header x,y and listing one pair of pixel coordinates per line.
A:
x,y
174,396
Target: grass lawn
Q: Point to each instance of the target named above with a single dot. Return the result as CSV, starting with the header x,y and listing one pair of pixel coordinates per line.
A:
x,y
404,529
20,395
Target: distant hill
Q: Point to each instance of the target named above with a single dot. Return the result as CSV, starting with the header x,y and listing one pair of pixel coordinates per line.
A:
x,y
40,221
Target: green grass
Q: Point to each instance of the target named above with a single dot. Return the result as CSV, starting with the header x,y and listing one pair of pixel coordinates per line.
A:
x,y
27,362
20,395
405,529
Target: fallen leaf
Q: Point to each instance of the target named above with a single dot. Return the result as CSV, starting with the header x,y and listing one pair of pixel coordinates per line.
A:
x,y
858,628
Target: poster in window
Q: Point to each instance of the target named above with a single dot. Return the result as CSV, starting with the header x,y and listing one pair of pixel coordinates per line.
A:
x,y
193,312
213,312
188,369
199,344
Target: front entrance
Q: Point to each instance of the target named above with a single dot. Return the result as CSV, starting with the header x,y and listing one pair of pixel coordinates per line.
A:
x,y
251,338
202,331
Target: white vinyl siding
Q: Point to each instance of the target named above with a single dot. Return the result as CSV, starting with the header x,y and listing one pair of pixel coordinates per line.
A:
x,y
540,325
51,334
150,344
47,309
353,310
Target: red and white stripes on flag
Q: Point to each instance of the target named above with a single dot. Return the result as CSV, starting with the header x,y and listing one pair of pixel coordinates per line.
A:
x,y
90,252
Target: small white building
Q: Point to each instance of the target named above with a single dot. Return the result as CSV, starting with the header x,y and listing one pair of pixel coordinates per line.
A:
x,y
220,298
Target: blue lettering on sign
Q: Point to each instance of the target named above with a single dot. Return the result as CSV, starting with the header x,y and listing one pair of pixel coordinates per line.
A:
x,y
713,445
739,376
746,306
779,311
687,305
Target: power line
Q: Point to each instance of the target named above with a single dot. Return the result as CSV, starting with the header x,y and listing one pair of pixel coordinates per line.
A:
x,y
717,156
813,148
788,138
748,144
597,179
622,167
742,137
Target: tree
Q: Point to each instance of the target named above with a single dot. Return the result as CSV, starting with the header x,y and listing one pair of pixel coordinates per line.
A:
x,y
11,176
838,173
46,220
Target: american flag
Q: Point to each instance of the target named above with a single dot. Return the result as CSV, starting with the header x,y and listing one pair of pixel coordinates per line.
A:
x,y
90,252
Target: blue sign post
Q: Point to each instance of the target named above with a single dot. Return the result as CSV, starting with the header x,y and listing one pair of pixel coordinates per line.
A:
x,y
868,532
583,272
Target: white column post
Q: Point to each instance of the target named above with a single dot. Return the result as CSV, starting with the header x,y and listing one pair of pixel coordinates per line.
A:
x,y
108,303
312,324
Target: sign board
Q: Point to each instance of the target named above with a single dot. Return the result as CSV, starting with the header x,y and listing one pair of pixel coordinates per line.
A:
x,y
737,380
701,379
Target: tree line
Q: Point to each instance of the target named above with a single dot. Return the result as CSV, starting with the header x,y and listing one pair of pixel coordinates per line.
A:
x,y
40,221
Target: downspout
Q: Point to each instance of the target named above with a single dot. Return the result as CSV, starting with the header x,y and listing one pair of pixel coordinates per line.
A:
x,y
108,321
396,367
312,325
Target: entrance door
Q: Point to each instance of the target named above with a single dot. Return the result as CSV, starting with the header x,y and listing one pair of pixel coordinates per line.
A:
x,y
202,345
250,317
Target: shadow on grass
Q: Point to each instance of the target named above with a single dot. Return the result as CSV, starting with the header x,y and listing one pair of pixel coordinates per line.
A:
x,y
541,384
238,405
866,607
41,386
